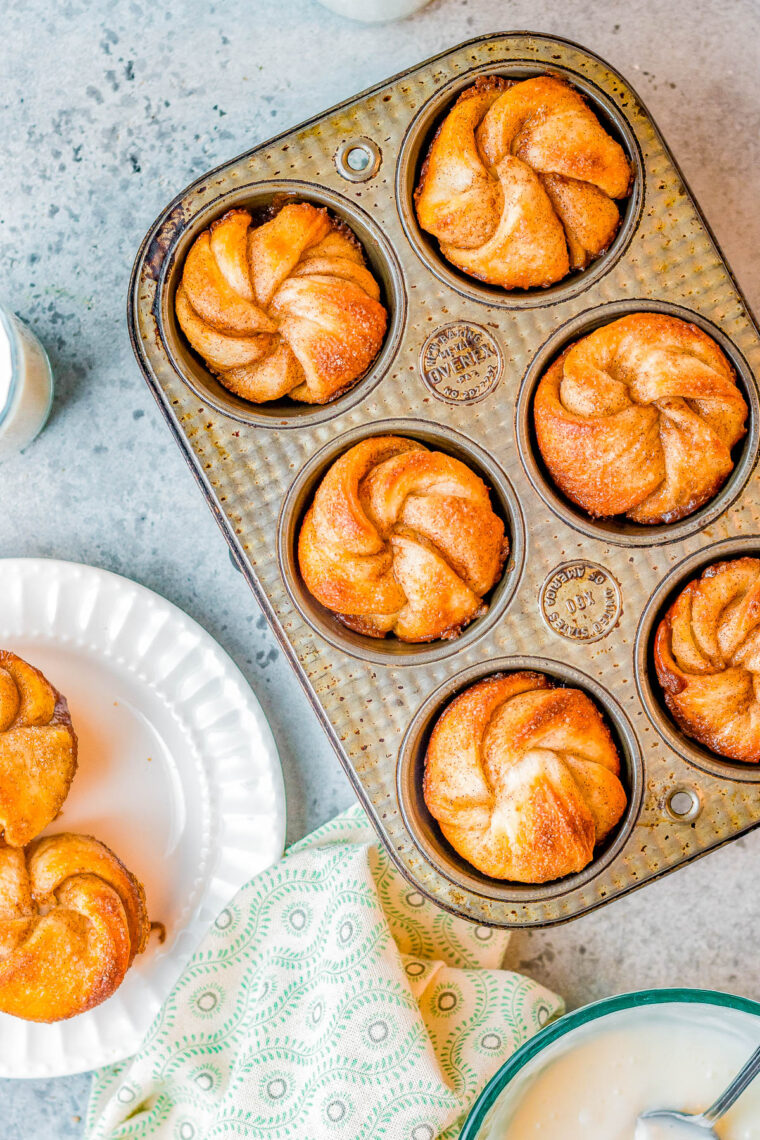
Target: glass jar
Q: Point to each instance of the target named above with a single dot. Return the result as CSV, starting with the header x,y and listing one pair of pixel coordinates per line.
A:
x,y
374,11
26,385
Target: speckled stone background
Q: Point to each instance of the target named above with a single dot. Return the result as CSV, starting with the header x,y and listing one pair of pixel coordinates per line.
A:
x,y
107,110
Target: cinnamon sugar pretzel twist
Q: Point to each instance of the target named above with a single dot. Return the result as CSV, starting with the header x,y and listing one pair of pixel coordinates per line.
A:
x,y
287,308
38,751
520,182
639,418
72,919
707,656
402,540
523,778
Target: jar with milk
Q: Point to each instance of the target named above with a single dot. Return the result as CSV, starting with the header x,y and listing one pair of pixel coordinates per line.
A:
x,y
26,385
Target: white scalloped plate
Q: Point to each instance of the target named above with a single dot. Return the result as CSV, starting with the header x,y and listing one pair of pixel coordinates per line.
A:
x,y
178,773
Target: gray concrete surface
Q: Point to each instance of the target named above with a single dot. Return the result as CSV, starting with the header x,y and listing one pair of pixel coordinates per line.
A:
x,y
107,109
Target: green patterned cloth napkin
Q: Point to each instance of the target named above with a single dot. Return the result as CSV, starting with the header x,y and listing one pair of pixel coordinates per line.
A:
x,y
329,1000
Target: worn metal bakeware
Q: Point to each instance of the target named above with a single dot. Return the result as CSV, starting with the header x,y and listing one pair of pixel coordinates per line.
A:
x,y
579,598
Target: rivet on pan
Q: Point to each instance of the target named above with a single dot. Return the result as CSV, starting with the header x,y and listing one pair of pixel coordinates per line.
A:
x,y
358,159
683,805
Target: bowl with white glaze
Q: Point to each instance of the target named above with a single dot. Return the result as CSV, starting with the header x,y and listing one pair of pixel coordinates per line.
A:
x,y
591,1072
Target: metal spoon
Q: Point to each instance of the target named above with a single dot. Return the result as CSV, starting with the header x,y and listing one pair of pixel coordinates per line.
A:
x,y
700,1127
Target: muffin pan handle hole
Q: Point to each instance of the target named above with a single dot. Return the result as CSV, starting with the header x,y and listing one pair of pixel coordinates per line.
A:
x,y
683,805
358,159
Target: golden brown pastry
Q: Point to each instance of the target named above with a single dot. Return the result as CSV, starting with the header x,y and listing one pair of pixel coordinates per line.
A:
x,y
639,418
520,181
38,751
287,308
401,540
72,919
523,778
707,656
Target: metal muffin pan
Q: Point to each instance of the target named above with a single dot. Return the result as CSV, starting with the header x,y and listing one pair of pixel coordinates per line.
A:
x,y
579,599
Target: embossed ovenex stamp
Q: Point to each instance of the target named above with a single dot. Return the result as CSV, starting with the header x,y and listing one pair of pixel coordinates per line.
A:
x,y
581,601
461,362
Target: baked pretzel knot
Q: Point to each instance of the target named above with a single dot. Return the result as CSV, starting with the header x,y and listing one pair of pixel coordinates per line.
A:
x,y
519,182
639,418
707,656
523,778
401,540
38,751
287,308
72,918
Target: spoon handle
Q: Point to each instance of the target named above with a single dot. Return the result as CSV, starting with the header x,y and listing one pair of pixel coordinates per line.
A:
x,y
743,1078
